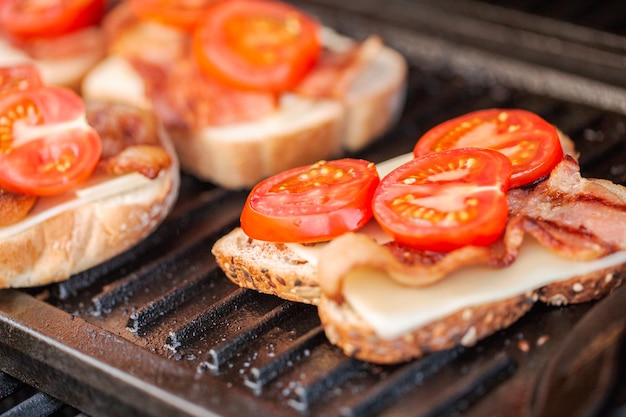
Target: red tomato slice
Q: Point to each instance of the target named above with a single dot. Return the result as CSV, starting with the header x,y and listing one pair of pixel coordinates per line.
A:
x,y
531,143
445,200
19,77
46,146
26,19
257,44
51,165
185,14
311,203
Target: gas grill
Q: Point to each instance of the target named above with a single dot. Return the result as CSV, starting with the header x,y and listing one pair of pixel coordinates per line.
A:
x,y
160,331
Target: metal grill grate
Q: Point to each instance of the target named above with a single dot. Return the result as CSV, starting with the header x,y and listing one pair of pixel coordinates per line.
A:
x,y
160,331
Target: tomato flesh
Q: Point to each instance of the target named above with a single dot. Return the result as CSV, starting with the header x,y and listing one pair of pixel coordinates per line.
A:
x,y
445,200
531,143
51,165
257,44
19,77
312,203
27,19
184,15
46,146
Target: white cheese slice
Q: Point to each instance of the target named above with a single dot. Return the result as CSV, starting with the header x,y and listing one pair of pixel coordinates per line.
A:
x,y
393,309
96,188
389,165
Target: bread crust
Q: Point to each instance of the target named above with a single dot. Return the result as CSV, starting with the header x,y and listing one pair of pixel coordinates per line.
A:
x,y
368,115
267,267
80,238
241,163
584,288
238,156
346,329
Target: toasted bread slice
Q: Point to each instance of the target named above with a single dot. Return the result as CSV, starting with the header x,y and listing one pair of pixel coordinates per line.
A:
x,y
302,130
376,318
268,267
345,328
106,215
465,326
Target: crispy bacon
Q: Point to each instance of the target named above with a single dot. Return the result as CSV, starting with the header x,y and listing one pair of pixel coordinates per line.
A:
x,y
130,141
147,160
14,207
578,218
336,70
121,126
185,98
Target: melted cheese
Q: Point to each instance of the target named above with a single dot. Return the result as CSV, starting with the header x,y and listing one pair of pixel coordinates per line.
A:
x,y
98,187
393,309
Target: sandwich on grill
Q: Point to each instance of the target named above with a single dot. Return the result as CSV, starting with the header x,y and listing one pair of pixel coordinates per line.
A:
x,y
462,243
249,88
79,182
63,39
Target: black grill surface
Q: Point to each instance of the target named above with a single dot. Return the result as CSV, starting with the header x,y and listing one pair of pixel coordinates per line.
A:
x,y
160,331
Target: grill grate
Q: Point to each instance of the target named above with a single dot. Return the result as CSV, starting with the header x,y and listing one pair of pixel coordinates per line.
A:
x,y
160,331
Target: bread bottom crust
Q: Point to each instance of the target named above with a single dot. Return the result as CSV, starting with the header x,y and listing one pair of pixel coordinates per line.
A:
x,y
89,234
585,288
346,329
266,267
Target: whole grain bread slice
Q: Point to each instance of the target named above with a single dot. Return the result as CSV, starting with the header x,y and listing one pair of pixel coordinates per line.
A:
x,y
356,337
271,268
348,330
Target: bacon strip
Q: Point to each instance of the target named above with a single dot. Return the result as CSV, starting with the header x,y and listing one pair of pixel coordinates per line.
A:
x,y
336,70
130,141
185,98
147,160
578,218
14,207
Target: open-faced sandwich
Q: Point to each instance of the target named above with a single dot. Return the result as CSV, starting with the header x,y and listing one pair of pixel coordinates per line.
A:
x,y
486,217
248,88
79,182
62,38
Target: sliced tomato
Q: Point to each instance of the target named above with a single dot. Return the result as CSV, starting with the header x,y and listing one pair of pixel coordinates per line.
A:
x,y
184,14
531,143
445,200
19,77
52,164
26,19
311,203
257,44
46,146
